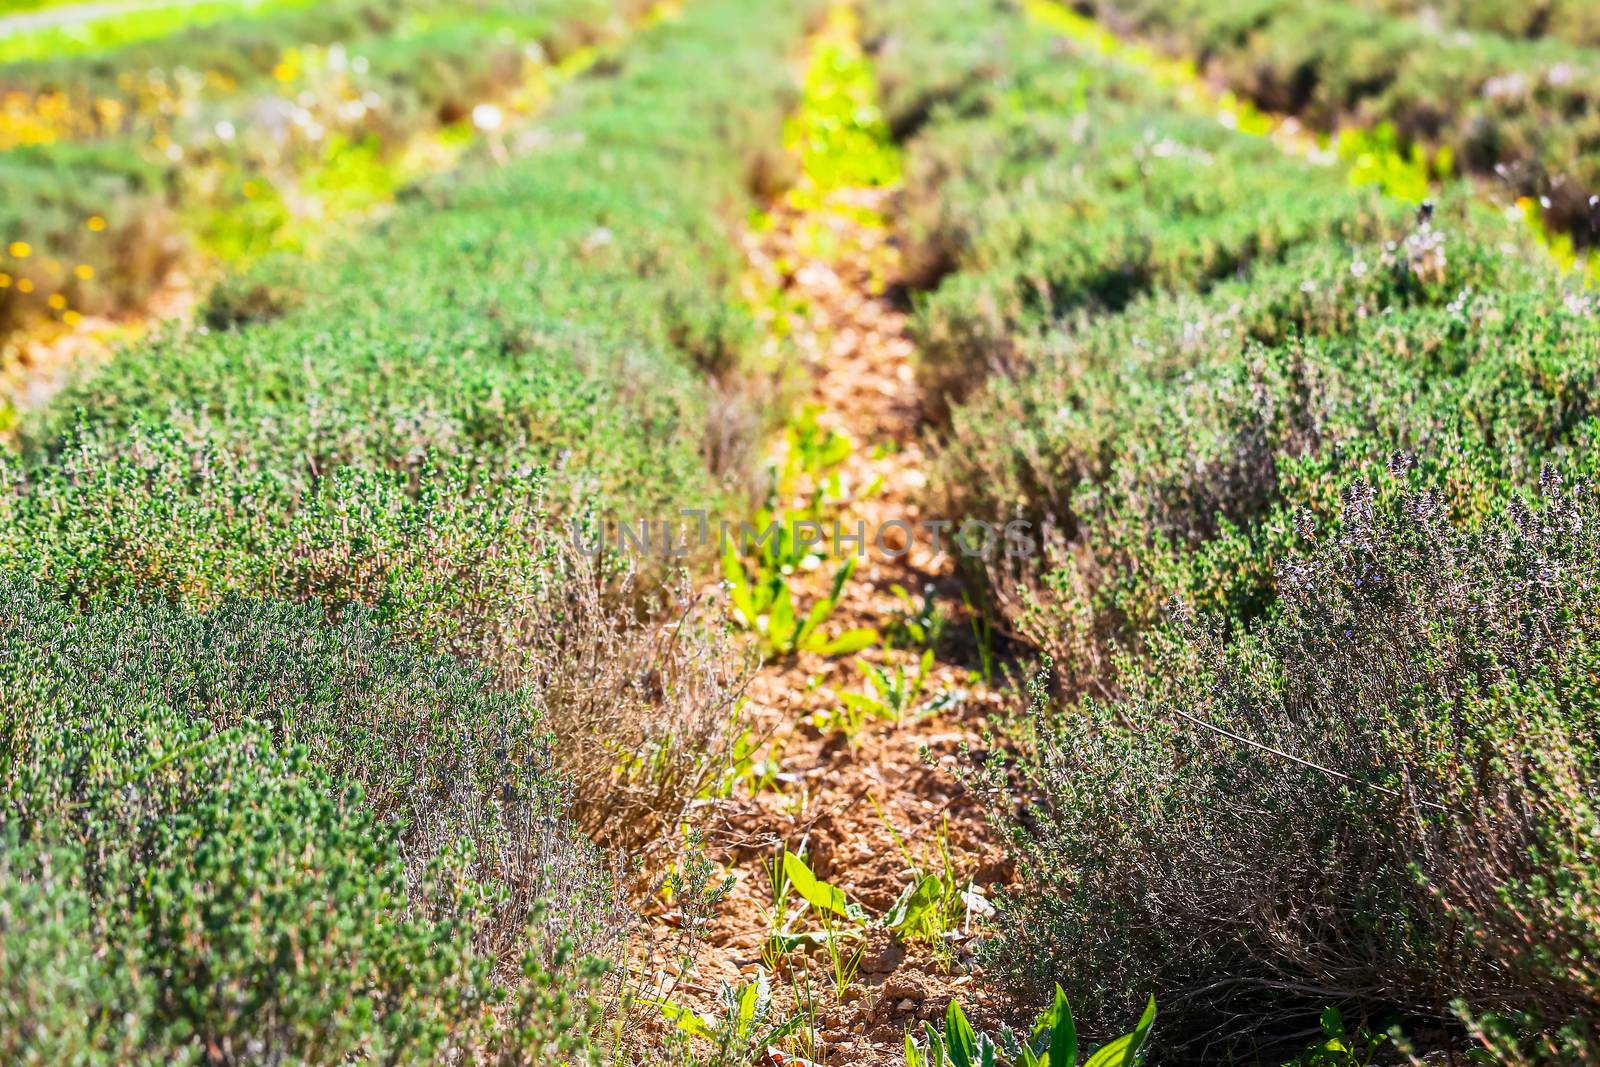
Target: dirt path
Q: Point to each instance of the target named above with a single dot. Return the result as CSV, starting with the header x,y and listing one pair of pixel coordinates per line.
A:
x,y
873,811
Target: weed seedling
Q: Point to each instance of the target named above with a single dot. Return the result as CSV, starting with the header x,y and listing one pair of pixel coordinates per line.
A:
x,y
937,904
1052,1042
915,625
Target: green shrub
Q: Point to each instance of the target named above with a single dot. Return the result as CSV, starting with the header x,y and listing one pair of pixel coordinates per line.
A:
x,y
242,135
956,47
1276,451
1525,112
193,867
412,422
1168,450
1069,187
1566,20
1382,797
246,815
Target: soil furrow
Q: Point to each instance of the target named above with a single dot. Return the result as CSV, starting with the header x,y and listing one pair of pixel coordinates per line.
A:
x,y
870,808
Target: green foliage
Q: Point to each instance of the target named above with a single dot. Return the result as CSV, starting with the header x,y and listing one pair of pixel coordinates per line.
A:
x,y
1070,187
387,390
889,693
742,1029
765,603
275,782
1339,1047
1313,730
1053,1040
840,137
1521,111
915,625
841,922
789,535
193,862
1405,741
938,901
1568,20
96,32
248,135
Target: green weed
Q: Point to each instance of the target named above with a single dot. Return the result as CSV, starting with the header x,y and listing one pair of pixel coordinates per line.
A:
x,y
1052,1042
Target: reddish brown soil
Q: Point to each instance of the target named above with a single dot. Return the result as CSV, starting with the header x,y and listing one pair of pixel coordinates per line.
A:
x,y
841,802
36,364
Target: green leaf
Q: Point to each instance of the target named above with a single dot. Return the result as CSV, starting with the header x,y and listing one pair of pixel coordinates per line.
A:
x,y
1146,1021
780,622
914,901
814,618
788,942
862,637
685,1020
1124,1051
840,577
959,1036
813,890
749,1001
835,451
1063,1033
913,1058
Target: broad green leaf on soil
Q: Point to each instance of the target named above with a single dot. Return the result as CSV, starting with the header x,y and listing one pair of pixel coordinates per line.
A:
x,y
1124,1051
855,640
913,904
685,1020
1063,1033
821,895
963,1043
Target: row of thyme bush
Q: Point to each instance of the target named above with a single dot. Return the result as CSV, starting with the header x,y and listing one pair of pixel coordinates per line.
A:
x,y
307,696
1565,20
245,49
1318,569
1523,112
117,162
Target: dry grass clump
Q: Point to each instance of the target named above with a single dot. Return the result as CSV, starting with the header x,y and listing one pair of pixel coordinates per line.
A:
x,y
643,696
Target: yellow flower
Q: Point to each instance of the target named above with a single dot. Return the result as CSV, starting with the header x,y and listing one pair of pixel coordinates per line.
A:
x,y
57,302
24,285
96,223
83,272
71,318
20,249
5,280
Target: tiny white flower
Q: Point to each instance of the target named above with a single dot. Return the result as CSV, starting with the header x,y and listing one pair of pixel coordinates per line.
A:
x,y
486,117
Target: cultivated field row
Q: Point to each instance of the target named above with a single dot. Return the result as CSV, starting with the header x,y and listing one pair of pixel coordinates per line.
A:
x,y
1259,727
